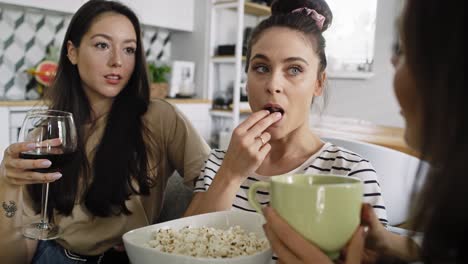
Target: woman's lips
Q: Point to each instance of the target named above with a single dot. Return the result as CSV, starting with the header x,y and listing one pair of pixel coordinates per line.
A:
x,y
272,108
113,79
275,108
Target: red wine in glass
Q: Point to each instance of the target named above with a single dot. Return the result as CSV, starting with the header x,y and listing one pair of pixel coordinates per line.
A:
x,y
54,135
58,160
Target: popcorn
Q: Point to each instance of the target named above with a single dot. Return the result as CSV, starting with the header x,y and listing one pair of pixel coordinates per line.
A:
x,y
207,242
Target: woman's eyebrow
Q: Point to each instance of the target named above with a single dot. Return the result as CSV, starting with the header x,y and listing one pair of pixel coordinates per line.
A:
x,y
291,59
110,38
259,56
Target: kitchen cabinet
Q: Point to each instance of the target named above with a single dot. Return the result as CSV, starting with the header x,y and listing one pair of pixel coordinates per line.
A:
x,y
4,130
12,115
174,14
55,5
11,118
199,116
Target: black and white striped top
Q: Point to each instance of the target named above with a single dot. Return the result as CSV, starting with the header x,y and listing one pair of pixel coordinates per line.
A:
x,y
330,159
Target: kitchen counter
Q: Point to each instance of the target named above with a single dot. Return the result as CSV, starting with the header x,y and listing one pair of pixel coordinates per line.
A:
x,y
327,126
360,130
12,114
351,128
40,102
22,103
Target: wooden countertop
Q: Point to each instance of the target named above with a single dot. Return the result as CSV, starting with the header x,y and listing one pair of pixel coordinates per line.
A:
x,y
327,126
387,136
39,102
355,129
21,103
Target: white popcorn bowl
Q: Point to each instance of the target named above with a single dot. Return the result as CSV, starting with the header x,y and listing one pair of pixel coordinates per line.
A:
x,y
139,253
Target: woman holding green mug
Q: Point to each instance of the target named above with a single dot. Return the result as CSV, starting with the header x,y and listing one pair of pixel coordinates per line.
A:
x,y
429,85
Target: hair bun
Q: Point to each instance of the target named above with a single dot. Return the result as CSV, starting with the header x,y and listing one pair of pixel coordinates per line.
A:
x,y
281,7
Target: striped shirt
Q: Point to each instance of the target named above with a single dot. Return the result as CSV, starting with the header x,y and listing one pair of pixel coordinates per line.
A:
x,y
330,159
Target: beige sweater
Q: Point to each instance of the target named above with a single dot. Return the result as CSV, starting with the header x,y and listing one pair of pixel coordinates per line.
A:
x,y
182,150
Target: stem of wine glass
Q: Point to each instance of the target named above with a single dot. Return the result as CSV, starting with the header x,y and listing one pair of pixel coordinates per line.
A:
x,y
44,205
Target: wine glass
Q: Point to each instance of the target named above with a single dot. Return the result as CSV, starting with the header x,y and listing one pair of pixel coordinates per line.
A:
x,y
54,134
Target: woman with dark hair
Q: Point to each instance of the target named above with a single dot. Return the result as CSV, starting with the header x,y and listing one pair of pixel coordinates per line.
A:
x,y
286,65
128,147
430,87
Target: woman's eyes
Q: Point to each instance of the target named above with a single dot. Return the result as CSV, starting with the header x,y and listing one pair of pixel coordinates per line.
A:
x,y
101,45
130,50
260,68
294,70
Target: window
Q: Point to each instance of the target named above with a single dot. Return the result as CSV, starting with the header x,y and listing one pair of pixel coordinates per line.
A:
x,y
350,39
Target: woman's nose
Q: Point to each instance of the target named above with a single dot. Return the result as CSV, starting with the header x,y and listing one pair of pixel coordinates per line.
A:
x,y
274,84
115,59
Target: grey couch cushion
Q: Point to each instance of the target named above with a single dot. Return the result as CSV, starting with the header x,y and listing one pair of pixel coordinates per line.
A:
x,y
176,199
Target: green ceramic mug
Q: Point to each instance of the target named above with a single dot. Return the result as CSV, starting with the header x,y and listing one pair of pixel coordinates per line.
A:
x,y
325,209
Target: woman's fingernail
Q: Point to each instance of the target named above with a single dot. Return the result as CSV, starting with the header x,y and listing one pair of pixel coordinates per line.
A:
x,y
31,145
46,163
56,176
277,115
365,229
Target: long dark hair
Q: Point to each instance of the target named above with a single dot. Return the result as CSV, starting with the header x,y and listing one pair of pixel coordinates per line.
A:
x,y
282,17
121,155
433,44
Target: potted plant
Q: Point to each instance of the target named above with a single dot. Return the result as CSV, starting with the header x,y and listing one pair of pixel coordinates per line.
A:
x,y
159,88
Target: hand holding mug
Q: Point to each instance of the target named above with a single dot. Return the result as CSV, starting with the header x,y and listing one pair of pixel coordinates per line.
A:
x,y
324,209
292,247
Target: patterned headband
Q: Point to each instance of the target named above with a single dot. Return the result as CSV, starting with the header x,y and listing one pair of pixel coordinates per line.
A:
x,y
319,19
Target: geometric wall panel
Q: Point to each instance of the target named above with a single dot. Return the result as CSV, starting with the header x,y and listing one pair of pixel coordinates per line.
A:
x,y
26,33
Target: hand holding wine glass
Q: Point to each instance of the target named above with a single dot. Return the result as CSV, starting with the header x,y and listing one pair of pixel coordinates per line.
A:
x,y
18,171
49,141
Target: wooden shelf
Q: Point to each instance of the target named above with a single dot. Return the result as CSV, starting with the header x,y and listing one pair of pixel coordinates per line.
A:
x,y
225,59
256,9
249,7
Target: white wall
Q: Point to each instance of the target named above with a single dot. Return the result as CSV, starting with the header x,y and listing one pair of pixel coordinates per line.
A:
x,y
371,99
194,46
